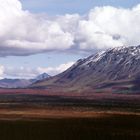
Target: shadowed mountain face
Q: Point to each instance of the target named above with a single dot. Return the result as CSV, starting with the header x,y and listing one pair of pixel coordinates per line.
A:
x,y
105,69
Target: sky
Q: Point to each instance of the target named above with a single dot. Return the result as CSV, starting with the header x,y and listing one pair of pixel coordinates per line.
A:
x,y
60,7
51,35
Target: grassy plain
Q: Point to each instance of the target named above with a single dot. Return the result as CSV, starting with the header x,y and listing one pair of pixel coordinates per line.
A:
x,y
40,115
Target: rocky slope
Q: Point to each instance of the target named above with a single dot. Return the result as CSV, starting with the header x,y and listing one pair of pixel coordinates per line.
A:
x,y
118,67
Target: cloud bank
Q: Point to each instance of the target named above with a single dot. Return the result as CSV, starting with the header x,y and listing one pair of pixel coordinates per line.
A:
x,y
24,33
29,73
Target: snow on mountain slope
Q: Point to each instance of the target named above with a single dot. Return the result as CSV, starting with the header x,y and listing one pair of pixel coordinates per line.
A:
x,y
121,63
42,77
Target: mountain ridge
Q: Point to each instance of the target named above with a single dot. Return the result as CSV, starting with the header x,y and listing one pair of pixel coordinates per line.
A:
x,y
112,65
21,83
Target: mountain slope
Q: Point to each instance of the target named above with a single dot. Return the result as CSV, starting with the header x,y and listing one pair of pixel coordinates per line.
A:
x,y
121,64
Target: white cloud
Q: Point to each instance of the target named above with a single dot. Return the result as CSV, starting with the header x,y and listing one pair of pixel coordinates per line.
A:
x,y
1,71
26,72
21,72
108,27
24,33
55,70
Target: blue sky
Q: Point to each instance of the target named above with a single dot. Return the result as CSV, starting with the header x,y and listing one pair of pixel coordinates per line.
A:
x,y
55,7
52,8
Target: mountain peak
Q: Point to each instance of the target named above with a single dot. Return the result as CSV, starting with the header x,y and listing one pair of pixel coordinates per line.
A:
x,y
118,54
42,76
116,64
132,50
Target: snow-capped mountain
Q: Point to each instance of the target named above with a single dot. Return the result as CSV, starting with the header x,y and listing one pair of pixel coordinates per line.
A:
x,y
41,77
117,64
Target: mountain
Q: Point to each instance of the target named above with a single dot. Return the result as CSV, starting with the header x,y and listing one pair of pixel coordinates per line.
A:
x,y
21,83
14,83
117,68
42,77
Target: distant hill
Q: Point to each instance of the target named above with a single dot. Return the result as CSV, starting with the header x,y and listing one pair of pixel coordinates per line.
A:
x,y
117,68
14,83
41,77
21,83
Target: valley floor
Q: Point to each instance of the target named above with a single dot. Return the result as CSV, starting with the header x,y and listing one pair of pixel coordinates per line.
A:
x,y
40,115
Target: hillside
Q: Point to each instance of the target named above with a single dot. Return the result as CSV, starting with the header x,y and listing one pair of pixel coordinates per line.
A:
x,y
115,68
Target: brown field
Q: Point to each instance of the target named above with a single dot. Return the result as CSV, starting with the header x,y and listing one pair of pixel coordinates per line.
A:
x,y
41,104
41,114
55,113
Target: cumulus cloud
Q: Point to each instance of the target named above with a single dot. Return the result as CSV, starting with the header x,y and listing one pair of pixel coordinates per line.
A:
x,y
29,73
20,72
1,71
55,70
24,33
